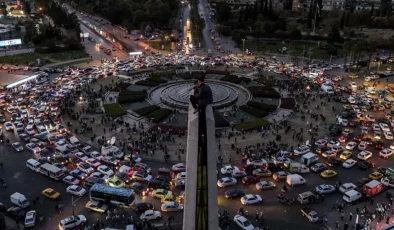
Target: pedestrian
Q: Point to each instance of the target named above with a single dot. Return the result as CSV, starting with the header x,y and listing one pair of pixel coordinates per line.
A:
x,y
345,226
337,225
34,202
17,222
388,220
1,165
342,216
357,210
257,217
350,217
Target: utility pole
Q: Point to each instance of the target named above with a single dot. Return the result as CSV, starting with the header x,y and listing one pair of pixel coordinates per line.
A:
x,y
73,203
303,55
314,22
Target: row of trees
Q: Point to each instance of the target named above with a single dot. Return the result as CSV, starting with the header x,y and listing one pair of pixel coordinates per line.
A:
x,y
197,23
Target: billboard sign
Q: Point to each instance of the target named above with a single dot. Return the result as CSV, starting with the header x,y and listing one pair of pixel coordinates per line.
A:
x,y
10,42
84,35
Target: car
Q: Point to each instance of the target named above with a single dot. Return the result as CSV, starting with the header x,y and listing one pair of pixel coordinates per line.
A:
x,y
164,178
329,154
257,162
243,223
322,142
141,176
105,170
78,174
361,182
251,199
85,167
228,169
303,149
33,147
97,206
81,156
264,185
325,189
99,175
51,194
332,143
364,155
375,127
17,146
366,165
370,117
280,175
115,182
9,126
139,188
30,219
319,167
328,173
234,193
351,145
250,180
347,187
150,215
386,153
19,127
180,167
379,145
124,177
93,162
96,155
110,160
16,213
388,135
262,172
238,174
171,206
70,180
226,181
161,193
349,163
376,176
76,190
345,155
334,162
362,145
142,207
71,222
384,127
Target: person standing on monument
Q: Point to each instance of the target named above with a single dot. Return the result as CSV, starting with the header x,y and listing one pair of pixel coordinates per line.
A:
x,y
204,96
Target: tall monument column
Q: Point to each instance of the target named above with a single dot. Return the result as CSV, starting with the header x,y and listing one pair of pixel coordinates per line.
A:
x,y
201,209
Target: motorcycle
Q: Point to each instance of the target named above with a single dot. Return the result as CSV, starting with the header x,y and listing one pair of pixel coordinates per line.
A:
x,y
2,182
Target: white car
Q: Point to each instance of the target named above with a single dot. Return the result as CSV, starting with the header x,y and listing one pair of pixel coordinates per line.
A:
x,y
364,129
60,143
370,117
179,167
251,199
70,180
362,145
349,163
9,126
105,170
33,147
325,189
93,162
76,190
141,176
85,167
71,222
392,123
256,162
302,150
243,223
99,175
386,153
150,215
81,156
364,155
375,127
388,135
238,174
226,181
353,84
96,206
351,145
96,155
30,130
333,143
347,187
384,127
18,147
87,150
228,169
19,127
392,146
30,219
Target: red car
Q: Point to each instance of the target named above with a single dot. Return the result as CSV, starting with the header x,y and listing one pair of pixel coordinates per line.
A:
x,y
250,180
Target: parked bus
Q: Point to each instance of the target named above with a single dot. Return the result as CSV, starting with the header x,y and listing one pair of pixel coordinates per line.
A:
x,y
51,171
122,197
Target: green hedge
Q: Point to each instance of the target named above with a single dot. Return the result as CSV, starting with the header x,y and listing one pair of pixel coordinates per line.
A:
x,y
228,78
220,121
258,105
139,71
131,96
163,73
147,110
253,111
157,80
147,83
264,91
159,115
251,125
114,109
265,81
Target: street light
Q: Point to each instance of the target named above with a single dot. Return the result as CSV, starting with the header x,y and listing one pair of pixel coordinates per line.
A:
x,y
73,203
243,46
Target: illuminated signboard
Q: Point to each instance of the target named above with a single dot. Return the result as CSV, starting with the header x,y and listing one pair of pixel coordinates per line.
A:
x,y
11,42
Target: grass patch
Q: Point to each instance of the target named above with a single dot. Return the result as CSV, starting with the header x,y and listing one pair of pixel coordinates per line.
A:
x,y
27,58
157,80
251,125
147,83
147,110
220,121
265,81
164,73
114,109
228,77
253,111
158,45
139,71
220,72
131,96
264,91
159,115
258,105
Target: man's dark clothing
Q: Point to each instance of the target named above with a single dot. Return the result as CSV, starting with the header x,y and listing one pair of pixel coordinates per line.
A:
x,y
193,98
204,95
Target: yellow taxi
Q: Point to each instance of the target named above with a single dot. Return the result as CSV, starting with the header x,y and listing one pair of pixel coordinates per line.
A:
x,y
328,173
167,198
347,107
347,131
51,194
345,155
376,176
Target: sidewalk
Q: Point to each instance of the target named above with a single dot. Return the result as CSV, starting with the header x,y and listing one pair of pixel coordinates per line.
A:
x,y
11,224
67,62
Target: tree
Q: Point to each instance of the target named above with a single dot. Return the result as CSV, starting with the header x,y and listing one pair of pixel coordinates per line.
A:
x,y
370,48
334,36
295,34
223,12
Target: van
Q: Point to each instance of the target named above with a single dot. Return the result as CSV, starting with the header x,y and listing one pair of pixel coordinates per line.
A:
x,y
33,165
126,169
351,196
372,188
347,187
295,179
90,181
327,89
306,197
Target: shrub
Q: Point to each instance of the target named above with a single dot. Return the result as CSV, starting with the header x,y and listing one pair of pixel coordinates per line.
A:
x,y
147,110
265,81
131,96
121,87
163,73
137,72
147,83
157,80
159,115
258,105
253,111
114,109
220,121
228,78
251,125
221,72
264,91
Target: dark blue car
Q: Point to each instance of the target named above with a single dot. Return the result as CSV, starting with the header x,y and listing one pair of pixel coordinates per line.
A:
x,y
78,174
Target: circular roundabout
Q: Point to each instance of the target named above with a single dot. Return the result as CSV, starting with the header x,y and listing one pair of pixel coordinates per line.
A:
x,y
176,94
